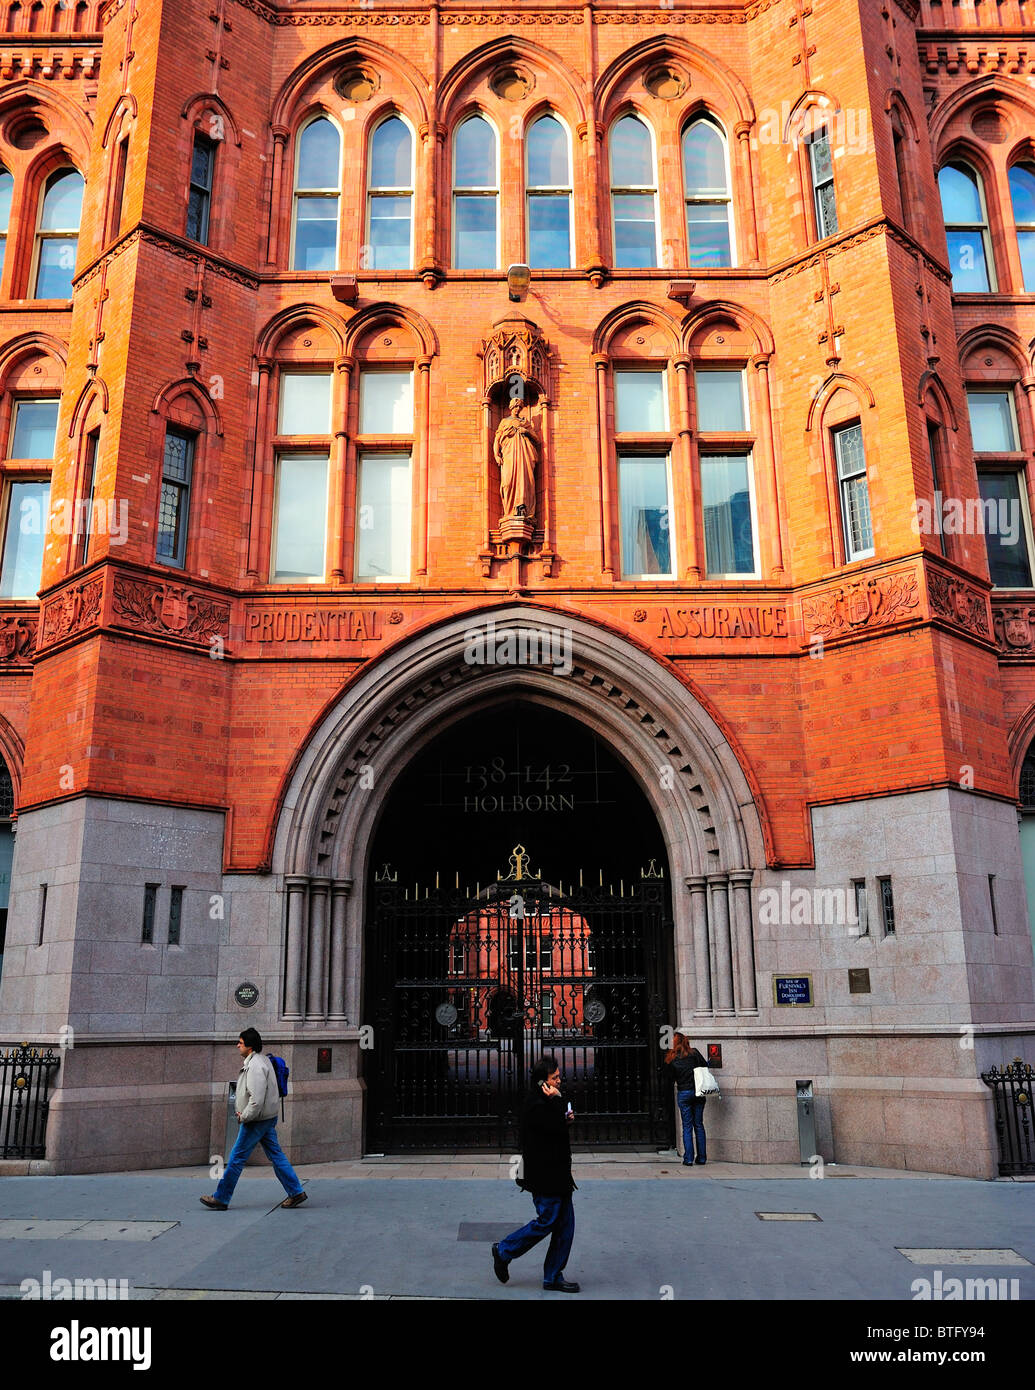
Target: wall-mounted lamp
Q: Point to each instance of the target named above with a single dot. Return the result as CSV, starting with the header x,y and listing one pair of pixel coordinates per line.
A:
x,y
519,277
344,288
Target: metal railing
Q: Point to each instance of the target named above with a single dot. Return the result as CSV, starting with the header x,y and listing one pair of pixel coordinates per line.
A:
x,y
1014,1118
25,1076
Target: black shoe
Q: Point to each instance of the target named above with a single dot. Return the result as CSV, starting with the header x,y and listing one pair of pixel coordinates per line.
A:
x,y
562,1286
212,1204
702,1161
688,1163
499,1265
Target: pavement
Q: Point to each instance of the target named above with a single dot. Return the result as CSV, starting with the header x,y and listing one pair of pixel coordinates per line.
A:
x,y
647,1229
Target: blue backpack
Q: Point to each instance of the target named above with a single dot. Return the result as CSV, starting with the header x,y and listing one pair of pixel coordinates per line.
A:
x,y
282,1072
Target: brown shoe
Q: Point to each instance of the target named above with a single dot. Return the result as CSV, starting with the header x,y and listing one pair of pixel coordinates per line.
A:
x,y
295,1201
212,1204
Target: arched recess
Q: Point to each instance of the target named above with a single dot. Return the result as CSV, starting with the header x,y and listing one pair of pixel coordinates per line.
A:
x,y
744,318
507,48
984,335
983,89
1019,741
165,403
297,317
124,109
68,121
31,345
95,390
895,102
203,102
739,104
359,325
12,749
712,819
834,382
318,67
627,316
931,384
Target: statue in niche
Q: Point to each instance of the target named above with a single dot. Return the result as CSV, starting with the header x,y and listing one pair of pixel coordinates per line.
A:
x,y
516,449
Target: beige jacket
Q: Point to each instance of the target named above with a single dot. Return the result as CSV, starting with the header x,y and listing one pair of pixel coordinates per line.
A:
x,y
257,1094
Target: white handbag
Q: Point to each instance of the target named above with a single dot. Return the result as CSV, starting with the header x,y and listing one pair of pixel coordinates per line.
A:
x,y
704,1083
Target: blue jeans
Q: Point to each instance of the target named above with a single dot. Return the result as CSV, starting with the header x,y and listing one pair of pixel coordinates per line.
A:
x,y
262,1132
691,1107
555,1217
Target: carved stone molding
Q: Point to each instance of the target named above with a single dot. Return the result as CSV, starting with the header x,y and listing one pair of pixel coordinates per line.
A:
x,y
976,57
149,238
17,638
30,62
74,609
958,602
667,17
516,348
861,606
1014,625
168,610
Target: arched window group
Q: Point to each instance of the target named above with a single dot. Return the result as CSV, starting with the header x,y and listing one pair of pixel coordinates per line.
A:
x,y
55,236
479,203
978,265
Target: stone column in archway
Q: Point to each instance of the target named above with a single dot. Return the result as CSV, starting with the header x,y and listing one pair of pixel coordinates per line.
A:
x,y
744,938
316,996
340,890
297,923
698,886
719,919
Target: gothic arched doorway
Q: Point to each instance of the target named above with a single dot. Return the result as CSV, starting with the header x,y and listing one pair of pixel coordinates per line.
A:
x,y
518,903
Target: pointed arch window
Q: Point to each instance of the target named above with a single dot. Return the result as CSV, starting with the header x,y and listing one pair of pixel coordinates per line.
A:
x,y
1022,196
475,196
317,193
966,229
706,189
6,194
548,192
57,240
390,196
821,173
633,194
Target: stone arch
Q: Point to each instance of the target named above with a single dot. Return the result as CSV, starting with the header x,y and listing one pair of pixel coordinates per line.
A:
x,y
741,107
999,337
496,51
813,99
125,109
291,99
896,104
12,750
745,319
95,390
165,403
69,121
835,382
712,821
31,345
626,316
200,102
931,384
991,85
295,317
368,318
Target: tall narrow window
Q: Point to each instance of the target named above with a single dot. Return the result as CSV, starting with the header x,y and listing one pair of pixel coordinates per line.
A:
x,y
862,923
390,196
175,914
301,511
821,171
727,475
174,507
633,194
57,241
42,920
854,490
385,488
934,446
475,196
147,926
966,229
992,904
644,481
27,500
707,193
118,188
1004,517
1022,195
887,906
199,198
317,189
6,194
84,508
548,190
898,143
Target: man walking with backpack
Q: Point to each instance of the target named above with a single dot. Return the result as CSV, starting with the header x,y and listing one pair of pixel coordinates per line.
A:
x,y
258,1099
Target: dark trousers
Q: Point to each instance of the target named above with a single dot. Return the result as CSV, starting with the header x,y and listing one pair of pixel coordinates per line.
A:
x,y
555,1217
691,1107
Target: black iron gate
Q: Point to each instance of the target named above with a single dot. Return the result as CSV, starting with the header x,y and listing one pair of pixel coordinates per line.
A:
x,y
466,992
25,1076
1012,1091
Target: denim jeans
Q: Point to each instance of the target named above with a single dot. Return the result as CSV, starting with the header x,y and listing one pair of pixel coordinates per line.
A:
x,y
555,1217
262,1132
691,1107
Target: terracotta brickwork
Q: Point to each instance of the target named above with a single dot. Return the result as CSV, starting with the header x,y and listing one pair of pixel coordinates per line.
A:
x,y
197,684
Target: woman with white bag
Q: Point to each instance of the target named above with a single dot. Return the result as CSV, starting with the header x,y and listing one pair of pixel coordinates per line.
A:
x,y
694,1082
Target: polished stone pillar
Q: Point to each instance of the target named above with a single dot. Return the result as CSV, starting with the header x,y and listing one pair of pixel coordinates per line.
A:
x,y
743,935
340,889
719,925
702,964
316,997
294,961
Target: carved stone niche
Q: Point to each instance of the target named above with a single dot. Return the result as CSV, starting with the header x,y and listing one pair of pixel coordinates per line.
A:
x,y
358,83
516,368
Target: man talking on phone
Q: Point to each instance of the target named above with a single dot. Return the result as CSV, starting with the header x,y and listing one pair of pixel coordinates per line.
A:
x,y
546,1174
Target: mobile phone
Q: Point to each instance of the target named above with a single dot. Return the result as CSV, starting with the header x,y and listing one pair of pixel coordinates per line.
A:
x,y
569,1110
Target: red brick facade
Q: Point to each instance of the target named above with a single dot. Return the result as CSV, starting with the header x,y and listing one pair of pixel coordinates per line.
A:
x,y
199,685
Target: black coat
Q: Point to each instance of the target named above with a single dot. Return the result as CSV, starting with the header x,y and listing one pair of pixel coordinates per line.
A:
x,y
682,1070
545,1147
